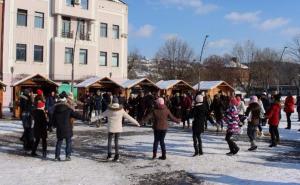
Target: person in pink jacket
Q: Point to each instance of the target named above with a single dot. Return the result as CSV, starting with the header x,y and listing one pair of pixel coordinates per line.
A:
x,y
115,113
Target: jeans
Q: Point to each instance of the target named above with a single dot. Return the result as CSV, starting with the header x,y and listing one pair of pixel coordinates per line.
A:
x,y
36,143
197,142
159,137
288,117
232,145
68,148
251,132
274,134
110,136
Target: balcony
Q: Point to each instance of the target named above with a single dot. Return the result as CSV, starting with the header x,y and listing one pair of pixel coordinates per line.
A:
x,y
67,35
85,36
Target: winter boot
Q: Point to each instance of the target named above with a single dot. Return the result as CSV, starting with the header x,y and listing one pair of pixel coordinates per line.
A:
x,y
236,150
154,155
200,149
68,158
57,159
163,156
196,150
44,154
116,158
33,154
109,158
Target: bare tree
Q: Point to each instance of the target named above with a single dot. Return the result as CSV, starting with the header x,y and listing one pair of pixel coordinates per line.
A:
x,y
244,52
134,59
294,49
174,59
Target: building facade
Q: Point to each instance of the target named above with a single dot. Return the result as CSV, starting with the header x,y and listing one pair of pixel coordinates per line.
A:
x,y
40,37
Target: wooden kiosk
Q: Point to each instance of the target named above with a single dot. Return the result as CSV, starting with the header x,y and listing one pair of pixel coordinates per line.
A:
x,y
2,90
171,87
93,84
137,85
213,87
32,82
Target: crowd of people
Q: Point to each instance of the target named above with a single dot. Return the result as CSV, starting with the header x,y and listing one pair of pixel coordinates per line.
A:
x,y
58,111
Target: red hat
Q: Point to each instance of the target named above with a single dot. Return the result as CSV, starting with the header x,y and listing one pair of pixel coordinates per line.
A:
x,y
39,92
40,105
234,101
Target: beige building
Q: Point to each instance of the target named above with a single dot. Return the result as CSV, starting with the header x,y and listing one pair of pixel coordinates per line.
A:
x,y
40,35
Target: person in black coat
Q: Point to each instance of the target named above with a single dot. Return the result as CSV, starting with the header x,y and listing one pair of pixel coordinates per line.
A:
x,y
26,105
199,113
64,129
40,128
218,108
98,103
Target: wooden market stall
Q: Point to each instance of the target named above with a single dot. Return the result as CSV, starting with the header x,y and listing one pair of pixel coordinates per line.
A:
x,y
171,87
213,87
32,82
93,84
2,90
139,85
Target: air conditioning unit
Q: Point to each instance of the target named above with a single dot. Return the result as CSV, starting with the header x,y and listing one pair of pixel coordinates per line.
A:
x,y
76,2
124,35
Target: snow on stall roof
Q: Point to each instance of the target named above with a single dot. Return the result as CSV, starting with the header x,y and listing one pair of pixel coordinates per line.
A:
x,y
131,83
167,84
32,76
206,85
88,82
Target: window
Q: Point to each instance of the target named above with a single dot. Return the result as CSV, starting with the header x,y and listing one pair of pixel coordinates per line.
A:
x,y
68,55
103,30
22,17
38,53
115,60
21,52
66,27
85,4
83,56
115,31
70,2
39,20
103,58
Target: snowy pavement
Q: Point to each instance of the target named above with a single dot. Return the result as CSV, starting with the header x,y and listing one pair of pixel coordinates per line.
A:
x,y
266,166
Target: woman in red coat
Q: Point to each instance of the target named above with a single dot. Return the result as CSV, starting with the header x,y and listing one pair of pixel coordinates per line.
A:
x,y
274,116
289,106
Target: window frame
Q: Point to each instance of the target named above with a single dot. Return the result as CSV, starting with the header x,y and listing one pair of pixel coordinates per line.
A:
x,y
21,12
71,3
86,56
102,52
106,29
71,55
84,7
38,48
114,30
118,59
36,17
17,48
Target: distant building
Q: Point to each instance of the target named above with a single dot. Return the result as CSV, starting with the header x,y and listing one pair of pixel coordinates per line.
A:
x,y
39,37
237,73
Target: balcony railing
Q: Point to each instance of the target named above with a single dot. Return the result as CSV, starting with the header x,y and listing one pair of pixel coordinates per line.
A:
x,y
67,34
84,36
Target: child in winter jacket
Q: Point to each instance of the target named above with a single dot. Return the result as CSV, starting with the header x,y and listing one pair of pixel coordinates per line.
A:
x,y
232,120
274,116
115,113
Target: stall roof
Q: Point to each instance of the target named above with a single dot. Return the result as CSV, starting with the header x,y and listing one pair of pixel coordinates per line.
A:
x,y
90,81
32,76
170,83
207,85
127,84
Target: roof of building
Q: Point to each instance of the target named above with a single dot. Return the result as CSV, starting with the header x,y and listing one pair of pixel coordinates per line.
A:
x,y
118,1
233,64
170,83
207,85
32,76
90,81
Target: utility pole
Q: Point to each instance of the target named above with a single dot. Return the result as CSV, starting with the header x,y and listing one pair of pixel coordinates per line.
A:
x,y
73,57
280,60
201,54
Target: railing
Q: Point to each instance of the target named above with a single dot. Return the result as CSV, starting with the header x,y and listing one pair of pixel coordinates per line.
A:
x,y
84,36
67,34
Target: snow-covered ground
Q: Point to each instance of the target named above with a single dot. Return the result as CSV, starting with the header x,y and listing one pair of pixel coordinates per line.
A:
x,y
267,166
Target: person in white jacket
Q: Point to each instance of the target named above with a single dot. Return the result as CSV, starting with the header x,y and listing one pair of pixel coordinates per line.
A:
x,y
115,113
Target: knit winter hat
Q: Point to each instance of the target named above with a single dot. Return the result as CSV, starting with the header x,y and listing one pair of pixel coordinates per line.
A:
x,y
40,105
199,98
253,99
39,92
234,101
160,101
115,100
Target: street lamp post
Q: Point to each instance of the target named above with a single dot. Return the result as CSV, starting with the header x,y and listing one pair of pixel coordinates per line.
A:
x,y
73,58
280,60
201,54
